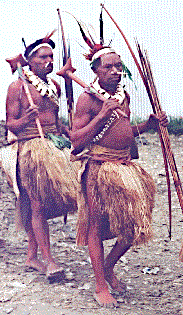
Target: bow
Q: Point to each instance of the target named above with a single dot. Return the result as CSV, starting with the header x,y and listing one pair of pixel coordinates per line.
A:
x,y
68,81
147,78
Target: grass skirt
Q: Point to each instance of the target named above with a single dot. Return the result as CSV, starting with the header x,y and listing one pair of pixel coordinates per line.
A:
x,y
124,196
46,174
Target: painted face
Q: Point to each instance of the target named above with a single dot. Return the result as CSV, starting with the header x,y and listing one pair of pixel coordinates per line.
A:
x,y
41,63
109,71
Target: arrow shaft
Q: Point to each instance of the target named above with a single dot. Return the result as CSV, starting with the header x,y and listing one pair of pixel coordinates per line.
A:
x,y
149,84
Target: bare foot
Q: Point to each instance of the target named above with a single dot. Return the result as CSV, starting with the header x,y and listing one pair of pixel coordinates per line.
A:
x,y
53,270
114,283
36,264
181,254
105,299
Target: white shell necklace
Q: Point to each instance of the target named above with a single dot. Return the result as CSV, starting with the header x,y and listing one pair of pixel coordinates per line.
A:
x,y
119,95
45,89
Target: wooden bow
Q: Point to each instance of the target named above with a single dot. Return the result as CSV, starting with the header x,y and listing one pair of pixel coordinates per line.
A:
x,y
147,78
68,81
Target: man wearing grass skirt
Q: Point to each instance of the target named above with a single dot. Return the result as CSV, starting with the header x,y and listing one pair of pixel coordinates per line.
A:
x,y
116,195
46,180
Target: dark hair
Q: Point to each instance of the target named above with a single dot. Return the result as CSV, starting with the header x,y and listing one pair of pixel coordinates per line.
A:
x,y
95,64
36,43
93,51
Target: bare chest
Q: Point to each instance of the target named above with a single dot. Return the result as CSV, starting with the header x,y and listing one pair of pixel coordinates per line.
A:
x,y
96,107
44,103
119,134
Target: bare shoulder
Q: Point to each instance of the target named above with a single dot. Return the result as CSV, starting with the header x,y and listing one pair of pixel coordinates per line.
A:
x,y
84,102
13,99
15,86
57,86
13,92
82,114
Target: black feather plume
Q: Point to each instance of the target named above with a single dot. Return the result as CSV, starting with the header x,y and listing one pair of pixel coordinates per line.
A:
x,y
23,41
88,41
101,28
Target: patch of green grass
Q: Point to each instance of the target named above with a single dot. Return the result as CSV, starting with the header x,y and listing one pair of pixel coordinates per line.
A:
x,y
175,126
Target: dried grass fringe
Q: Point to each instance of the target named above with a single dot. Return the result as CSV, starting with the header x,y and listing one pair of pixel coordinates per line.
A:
x,y
126,193
46,170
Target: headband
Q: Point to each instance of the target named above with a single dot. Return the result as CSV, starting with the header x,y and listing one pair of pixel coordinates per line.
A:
x,y
37,47
102,52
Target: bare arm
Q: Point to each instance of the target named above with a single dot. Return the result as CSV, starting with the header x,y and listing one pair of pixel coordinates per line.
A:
x,y
14,121
58,87
62,129
84,126
151,123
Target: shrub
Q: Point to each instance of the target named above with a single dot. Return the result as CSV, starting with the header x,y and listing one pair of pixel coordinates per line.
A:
x,y
175,126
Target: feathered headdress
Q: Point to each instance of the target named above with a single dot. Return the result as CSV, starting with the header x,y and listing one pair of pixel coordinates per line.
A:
x,y
28,50
46,41
39,43
95,48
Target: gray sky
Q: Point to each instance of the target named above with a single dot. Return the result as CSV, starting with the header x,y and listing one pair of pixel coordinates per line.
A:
x,y
157,24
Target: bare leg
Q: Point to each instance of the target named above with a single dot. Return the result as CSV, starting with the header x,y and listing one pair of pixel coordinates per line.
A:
x,y
181,254
96,251
117,251
23,203
32,259
41,231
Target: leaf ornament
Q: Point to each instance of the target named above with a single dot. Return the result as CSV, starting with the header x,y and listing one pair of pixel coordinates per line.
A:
x,y
126,71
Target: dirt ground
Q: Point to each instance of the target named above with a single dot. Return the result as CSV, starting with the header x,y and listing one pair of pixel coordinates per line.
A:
x,y
153,273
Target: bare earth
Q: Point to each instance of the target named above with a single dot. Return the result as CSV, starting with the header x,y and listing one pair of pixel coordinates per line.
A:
x,y
153,273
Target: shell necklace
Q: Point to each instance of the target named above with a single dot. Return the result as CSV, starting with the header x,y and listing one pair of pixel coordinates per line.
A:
x,y
119,95
45,89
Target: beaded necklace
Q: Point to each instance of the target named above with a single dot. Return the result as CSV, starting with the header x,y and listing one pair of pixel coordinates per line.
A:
x,y
113,117
120,96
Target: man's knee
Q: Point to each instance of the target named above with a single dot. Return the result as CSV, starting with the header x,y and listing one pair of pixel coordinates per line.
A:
x,y
94,230
127,239
37,210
